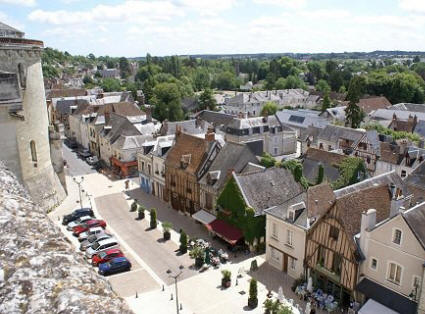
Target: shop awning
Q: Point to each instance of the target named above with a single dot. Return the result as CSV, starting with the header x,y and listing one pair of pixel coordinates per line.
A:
x,y
227,232
373,307
203,217
386,297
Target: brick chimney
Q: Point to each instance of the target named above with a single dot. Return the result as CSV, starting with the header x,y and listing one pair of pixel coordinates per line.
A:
x,y
148,110
107,117
210,135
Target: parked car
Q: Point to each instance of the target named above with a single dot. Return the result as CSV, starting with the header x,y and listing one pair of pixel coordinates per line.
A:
x,y
71,143
116,265
105,256
95,230
84,153
92,239
87,225
77,214
100,246
78,222
92,160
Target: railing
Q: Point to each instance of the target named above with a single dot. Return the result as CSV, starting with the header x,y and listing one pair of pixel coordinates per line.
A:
x,y
20,41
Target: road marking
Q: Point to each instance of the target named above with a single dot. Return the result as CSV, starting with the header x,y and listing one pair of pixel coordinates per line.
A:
x,y
132,252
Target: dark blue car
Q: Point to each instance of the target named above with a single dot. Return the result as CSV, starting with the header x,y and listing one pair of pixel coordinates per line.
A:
x,y
115,265
77,214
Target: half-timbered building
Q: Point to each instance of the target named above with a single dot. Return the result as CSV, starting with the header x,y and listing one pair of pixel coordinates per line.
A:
x,y
332,251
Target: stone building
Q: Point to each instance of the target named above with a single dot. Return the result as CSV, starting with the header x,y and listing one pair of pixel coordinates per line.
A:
x,y
24,120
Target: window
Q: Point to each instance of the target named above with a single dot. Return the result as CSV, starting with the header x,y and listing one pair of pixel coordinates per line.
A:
x,y
33,151
22,78
275,254
336,264
373,263
394,273
256,130
274,231
292,263
403,173
334,233
329,147
289,237
275,150
416,285
321,146
397,236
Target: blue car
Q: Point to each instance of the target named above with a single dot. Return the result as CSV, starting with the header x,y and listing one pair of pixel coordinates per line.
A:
x,y
77,214
115,265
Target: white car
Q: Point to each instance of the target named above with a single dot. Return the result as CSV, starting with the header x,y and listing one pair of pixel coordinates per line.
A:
x,y
84,235
77,222
92,160
100,246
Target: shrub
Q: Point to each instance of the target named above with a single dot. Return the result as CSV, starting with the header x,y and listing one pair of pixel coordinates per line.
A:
x,y
133,207
253,299
141,212
183,242
226,280
198,254
254,265
166,227
153,222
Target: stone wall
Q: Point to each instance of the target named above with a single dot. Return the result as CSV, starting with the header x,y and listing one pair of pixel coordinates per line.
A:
x,y
40,272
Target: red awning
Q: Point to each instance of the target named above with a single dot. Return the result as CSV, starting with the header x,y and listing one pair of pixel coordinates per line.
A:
x,y
225,231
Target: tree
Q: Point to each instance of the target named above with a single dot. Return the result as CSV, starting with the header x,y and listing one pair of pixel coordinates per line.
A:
x,y
268,109
321,174
206,100
111,85
416,59
323,86
280,83
253,298
226,80
166,99
351,170
124,67
267,160
183,242
326,102
353,113
88,80
201,79
153,222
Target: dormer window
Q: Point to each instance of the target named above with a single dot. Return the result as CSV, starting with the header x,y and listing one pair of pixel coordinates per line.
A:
x,y
185,161
291,215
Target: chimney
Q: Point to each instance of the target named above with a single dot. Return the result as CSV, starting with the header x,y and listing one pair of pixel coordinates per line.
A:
x,y
178,130
210,135
396,201
367,223
148,110
107,117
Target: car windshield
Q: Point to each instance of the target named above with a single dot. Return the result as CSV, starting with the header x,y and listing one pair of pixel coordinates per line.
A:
x,y
84,225
95,246
102,254
91,238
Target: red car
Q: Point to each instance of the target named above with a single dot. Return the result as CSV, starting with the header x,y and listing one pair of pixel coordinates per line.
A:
x,y
105,256
87,225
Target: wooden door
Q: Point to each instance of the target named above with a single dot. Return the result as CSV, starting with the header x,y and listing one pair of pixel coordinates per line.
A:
x,y
285,262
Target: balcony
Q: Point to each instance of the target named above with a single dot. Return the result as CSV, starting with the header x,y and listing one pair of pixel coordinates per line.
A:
x,y
334,276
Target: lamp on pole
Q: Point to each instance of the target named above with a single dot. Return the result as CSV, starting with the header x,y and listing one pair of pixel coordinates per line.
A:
x,y
79,182
175,277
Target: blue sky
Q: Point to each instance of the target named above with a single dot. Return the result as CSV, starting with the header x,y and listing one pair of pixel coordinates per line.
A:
x,y
165,27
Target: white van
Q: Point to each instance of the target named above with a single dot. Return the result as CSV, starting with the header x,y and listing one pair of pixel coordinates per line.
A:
x,y
101,246
86,234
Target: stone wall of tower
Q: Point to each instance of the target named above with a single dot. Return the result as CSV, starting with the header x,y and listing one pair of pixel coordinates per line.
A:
x,y
37,175
9,145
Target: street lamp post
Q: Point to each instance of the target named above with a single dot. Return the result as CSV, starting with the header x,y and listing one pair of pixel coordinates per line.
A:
x,y
175,277
79,188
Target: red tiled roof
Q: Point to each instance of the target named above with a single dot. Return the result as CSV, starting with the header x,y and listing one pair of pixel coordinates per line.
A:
x,y
225,231
373,103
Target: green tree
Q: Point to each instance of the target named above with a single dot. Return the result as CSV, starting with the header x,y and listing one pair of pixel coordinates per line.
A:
x,y
201,79
88,80
167,101
321,174
353,113
416,59
268,109
326,102
183,242
351,170
267,160
226,80
124,67
323,86
153,222
111,85
253,293
280,83
206,100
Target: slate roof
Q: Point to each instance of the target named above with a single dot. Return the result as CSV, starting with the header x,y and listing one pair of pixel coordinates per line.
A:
x,y
409,107
329,160
232,157
9,30
65,92
281,211
215,118
246,123
387,114
415,218
373,103
187,145
417,177
301,118
332,133
272,187
64,106
187,126
420,128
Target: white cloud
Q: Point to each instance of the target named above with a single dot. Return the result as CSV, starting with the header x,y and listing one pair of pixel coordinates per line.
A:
x,y
127,12
326,14
414,6
27,3
206,7
293,4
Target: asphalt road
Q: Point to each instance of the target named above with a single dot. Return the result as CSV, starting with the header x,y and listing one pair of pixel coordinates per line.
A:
x,y
76,166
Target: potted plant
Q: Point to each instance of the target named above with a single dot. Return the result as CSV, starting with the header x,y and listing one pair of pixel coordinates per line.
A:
x,y
198,254
133,207
183,242
166,227
254,265
153,222
140,213
271,307
253,299
226,280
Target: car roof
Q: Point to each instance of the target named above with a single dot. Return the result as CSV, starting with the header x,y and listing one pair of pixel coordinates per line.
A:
x,y
113,251
79,210
92,221
109,240
86,217
96,228
119,259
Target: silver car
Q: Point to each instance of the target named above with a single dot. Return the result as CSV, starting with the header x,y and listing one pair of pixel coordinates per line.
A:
x,y
92,239
100,246
84,235
77,222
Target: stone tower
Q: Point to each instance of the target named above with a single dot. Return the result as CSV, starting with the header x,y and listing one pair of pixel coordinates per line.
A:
x,y
24,133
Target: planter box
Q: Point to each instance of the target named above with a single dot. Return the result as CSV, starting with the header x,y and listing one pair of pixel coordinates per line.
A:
x,y
167,235
252,303
225,283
